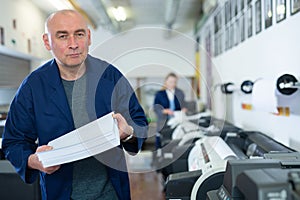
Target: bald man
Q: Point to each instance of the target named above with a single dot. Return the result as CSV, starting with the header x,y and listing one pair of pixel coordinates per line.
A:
x,y
69,91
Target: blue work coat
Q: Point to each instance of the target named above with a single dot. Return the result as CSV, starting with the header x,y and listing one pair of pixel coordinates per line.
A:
x,y
40,113
161,101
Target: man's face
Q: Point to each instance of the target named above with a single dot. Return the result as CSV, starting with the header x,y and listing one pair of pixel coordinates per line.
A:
x,y
68,38
171,83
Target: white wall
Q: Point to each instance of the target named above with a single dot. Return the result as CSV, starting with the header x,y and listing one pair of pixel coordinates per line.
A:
x,y
269,54
29,25
147,51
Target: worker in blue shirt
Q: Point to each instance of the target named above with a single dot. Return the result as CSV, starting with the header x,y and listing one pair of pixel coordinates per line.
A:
x,y
66,93
166,101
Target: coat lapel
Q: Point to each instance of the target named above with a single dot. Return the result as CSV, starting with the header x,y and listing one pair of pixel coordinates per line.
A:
x,y
165,96
58,95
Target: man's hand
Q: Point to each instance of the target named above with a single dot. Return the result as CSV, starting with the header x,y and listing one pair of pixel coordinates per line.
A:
x,y
124,129
168,111
34,163
184,110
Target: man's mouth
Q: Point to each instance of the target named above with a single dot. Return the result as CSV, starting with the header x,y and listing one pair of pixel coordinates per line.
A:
x,y
73,55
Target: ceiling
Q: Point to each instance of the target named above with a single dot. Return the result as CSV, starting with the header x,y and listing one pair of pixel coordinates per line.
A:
x,y
180,15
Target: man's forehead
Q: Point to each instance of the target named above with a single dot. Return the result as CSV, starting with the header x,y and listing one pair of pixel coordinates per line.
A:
x,y
67,27
66,21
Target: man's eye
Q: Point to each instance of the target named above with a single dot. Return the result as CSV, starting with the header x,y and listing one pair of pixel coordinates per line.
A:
x,y
80,35
62,37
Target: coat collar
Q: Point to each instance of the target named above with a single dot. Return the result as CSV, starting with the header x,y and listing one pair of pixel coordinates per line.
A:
x,y
58,95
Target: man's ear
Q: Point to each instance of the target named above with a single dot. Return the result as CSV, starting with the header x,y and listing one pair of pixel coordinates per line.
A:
x,y
89,36
46,41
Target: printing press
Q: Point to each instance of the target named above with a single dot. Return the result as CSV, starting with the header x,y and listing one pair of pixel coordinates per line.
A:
x,y
206,161
276,177
206,168
175,151
196,152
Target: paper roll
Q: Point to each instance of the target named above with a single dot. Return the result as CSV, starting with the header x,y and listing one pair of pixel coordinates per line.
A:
x,y
264,96
221,148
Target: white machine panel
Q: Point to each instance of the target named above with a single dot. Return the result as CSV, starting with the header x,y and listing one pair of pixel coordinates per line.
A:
x,y
207,151
210,154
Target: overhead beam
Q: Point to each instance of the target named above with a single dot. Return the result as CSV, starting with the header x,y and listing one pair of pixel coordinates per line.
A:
x,y
83,13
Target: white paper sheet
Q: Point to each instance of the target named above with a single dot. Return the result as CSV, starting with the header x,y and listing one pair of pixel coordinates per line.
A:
x,y
89,140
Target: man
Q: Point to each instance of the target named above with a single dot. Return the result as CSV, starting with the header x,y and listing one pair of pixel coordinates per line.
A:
x,y
167,101
67,92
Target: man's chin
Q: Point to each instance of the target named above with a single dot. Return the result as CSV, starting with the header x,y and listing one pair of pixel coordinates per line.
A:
x,y
74,64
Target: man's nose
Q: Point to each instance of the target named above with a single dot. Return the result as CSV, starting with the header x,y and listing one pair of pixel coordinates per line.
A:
x,y
73,44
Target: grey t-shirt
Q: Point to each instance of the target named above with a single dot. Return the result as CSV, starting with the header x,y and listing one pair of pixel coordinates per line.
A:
x,y
90,180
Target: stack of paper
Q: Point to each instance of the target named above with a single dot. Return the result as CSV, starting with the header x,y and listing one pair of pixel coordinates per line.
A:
x,y
88,140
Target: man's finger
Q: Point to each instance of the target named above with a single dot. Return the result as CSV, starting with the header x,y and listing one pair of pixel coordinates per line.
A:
x,y
50,170
44,148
